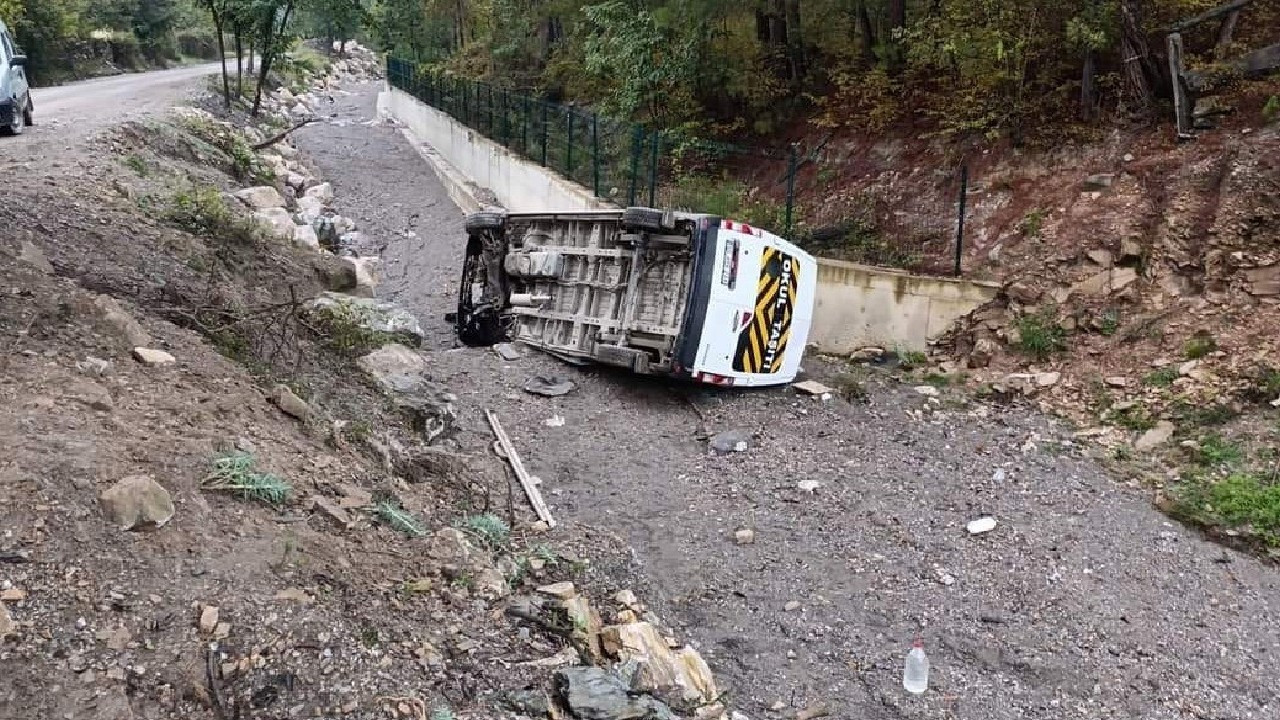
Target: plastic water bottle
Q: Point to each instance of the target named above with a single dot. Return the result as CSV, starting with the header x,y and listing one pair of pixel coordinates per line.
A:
x,y
915,676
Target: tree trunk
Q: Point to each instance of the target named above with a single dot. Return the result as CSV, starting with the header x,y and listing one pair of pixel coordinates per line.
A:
x,y
897,23
1088,87
271,47
239,41
867,32
795,41
222,55
1135,55
1225,33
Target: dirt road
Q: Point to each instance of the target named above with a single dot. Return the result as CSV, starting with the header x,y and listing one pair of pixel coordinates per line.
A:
x,y
1084,602
69,113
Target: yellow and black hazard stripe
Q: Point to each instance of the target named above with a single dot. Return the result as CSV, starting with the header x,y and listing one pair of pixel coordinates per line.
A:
x,y
762,345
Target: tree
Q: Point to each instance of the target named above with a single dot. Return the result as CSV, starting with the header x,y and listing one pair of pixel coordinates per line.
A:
x,y
272,38
221,13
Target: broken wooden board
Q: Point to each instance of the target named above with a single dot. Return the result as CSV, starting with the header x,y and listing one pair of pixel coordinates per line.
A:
x,y
527,481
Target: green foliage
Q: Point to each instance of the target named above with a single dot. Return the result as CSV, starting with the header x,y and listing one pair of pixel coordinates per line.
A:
x,y
850,387
1109,322
1161,378
1242,501
1207,415
646,66
490,530
1214,450
136,163
1032,224
1040,335
1135,417
399,519
725,198
1271,110
1200,345
912,359
201,210
234,472
344,327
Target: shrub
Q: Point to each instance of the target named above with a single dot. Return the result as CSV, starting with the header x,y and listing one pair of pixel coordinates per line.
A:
x,y
1040,335
1200,345
1161,378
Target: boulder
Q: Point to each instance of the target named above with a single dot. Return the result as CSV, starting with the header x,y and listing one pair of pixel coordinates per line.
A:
x,y
296,180
6,622
592,693
262,197
490,583
137,502
109,318
1022,293
366,278
276,221
1106,282
1130,252
396,368
322,192
310,209
152,357
289,403
679,676
983,351
305,236
1101,257
1031,383
300,111
1264,280
31,254
1155,437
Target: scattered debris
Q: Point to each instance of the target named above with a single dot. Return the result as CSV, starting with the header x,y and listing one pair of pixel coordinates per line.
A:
x,y
208,620
731,441
559,591
744,536
526,480
809,486
6,622
554,421
137,502
549,386
927,391
981,525
680,675
813,387
507,351
153,358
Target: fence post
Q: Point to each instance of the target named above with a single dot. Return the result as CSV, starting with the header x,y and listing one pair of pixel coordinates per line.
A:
x,y
793,162
544,133
653,168
964,193
524,127
595,153
637,141
568,146
506,123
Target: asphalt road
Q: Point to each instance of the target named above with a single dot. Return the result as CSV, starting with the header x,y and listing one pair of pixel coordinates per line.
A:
x,y
68,114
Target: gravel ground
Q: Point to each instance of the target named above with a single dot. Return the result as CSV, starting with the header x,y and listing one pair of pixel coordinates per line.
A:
x,y
1084,602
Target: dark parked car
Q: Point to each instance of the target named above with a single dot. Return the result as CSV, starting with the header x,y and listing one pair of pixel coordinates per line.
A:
x,y
15,93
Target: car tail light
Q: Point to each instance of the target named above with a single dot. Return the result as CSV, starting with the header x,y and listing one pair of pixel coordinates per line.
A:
x,y
713,379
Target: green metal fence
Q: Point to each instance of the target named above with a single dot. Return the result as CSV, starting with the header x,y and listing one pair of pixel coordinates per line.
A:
x,y
622,162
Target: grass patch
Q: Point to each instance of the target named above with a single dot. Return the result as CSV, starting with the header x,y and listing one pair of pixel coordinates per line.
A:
x,y
1136,418
912,359
1271,110
234,473
1242,501
1161,378
937,380
1108,323
1209,415
134,162
201,210
850,387
1199,346
490,530
1040,335
1033,223
1215,450
399,519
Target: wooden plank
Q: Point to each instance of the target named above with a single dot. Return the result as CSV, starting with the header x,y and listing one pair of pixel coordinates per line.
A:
x,y
526,480
1181,101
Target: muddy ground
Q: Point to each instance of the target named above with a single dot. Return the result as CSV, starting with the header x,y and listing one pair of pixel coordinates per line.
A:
x,y
1084,602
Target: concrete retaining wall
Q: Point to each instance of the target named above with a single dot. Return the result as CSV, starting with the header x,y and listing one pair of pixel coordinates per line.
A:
x,y
518,184
858,306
